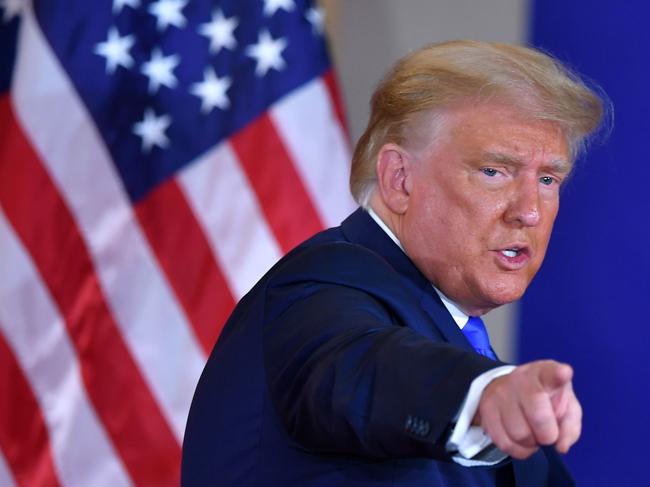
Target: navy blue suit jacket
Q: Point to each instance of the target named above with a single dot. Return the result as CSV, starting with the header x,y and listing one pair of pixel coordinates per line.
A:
x,y
341,367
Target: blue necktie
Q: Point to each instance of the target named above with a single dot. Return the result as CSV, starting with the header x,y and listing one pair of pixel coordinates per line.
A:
x,y
477,335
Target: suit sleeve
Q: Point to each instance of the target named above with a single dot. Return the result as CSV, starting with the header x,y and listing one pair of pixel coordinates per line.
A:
x,y
346,376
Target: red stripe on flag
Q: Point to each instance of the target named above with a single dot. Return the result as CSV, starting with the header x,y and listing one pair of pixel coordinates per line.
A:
x,y
24,437
185,256
284,201
115,386
335,97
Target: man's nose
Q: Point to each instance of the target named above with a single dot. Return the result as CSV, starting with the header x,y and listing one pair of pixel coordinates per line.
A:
x,y
524,207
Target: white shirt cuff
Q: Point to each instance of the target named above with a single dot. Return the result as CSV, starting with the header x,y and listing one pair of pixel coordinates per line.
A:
x,y
469,440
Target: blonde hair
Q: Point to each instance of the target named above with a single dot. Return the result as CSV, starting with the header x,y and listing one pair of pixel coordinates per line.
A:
x,y
438,76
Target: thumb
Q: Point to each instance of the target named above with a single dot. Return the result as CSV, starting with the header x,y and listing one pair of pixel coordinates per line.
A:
x,y
555,375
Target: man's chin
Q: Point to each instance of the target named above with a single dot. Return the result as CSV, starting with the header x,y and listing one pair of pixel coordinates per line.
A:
x,y
478,297
499,296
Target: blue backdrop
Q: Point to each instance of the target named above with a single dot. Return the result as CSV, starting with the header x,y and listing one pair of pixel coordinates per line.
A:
x,y
589,304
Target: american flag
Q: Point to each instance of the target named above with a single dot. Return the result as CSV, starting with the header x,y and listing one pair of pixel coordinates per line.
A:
x,y
156,157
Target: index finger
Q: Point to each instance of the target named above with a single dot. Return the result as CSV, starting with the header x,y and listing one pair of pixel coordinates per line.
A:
x,y
555,375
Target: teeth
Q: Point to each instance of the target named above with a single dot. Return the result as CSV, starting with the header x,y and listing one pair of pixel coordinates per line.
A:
x,y
510,252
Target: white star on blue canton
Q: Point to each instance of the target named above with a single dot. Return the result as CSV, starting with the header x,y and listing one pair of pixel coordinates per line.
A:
x,y
272,6
168,12
12,8
152,130
160,70
212,91
116,50
316,18
268,53
118,5
220,31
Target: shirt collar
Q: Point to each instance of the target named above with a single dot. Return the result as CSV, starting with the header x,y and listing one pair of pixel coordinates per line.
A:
x,y
385,228
459,317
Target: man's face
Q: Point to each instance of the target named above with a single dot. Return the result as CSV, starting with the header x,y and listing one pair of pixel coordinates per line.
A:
x,y
483,199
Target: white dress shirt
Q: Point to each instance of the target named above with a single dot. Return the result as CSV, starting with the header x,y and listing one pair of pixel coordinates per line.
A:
x,y
466,439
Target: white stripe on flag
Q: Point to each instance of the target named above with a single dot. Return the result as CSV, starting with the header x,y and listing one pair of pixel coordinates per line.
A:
x,y
35,331
6,477
227,209
306,121
142,302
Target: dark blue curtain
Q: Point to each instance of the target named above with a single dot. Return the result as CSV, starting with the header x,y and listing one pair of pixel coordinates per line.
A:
x,y
589,305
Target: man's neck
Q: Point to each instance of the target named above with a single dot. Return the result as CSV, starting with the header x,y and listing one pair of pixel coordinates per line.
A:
x,y
454,310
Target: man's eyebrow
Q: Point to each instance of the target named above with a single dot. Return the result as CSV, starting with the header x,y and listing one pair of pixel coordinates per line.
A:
x,y
559,165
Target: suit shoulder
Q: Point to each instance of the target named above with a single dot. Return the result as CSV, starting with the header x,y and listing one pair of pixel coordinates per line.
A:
x,y
336,261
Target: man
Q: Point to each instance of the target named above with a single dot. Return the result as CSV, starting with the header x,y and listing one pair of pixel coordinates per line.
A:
x,y
359,359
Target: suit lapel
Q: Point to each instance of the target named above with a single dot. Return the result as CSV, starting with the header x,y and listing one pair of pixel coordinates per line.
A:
x,y
361,229
431,304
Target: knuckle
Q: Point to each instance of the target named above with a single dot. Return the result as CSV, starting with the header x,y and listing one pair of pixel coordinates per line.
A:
x,y
545,429
522,436
507,446
539,414
539,419
572,431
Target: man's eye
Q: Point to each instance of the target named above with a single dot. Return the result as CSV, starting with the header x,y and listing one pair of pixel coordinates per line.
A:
x,y
488,171
546,180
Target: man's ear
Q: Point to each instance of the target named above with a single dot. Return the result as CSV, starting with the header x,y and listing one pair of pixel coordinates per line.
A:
x,y
395,178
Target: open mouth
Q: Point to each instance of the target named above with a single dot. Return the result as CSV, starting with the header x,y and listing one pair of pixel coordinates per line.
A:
x,y
514,257
511,252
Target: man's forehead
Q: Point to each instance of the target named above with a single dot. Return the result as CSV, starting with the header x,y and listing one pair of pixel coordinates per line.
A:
x,y
495,127
507,132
